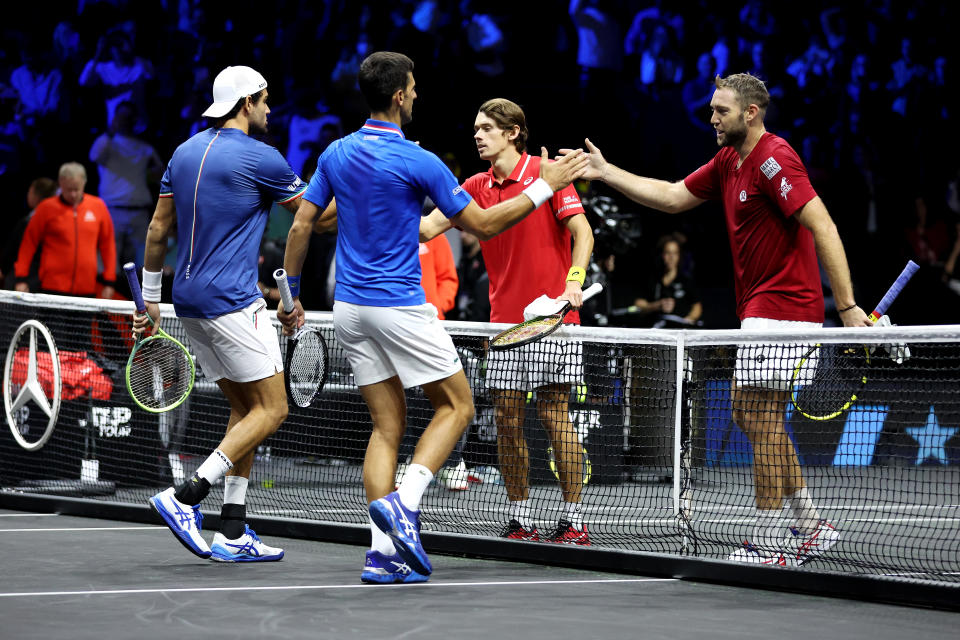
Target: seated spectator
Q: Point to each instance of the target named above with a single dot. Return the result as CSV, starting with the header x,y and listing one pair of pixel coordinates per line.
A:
x,y
126,164
69,230
672,295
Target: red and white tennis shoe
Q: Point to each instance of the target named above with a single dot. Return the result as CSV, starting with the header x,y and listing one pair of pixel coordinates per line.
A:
x,y
805,547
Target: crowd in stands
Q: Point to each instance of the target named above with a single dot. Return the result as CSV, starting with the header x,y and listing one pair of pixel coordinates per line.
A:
x,y
860,91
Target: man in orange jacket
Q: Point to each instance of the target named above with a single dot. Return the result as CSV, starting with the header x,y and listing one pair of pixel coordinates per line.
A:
x,y
438,274
69,229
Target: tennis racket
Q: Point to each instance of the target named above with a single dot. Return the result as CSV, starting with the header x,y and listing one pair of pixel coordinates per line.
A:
x,y
160,370
539,327
828,378
306,361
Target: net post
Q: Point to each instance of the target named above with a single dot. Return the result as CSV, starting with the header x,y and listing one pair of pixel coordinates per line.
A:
x,y
677,439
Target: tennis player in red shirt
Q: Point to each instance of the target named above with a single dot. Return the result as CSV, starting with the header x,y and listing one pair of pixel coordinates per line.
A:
x,y
778,227
531,259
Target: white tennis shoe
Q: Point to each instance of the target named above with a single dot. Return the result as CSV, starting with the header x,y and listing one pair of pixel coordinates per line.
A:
x,y
454,478
183,520
805,547
752,555
246,548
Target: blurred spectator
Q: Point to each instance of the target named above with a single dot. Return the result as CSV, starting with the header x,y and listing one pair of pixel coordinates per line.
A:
x,y
438,274
599,51
37,83
69,230
672,295
126,163
909,79
311,130
473,297
40,189
697,92
121,75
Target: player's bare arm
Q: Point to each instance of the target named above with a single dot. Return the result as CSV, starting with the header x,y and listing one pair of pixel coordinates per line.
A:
x,y
433,224
670,197
298,239
327,222
154,252
486,223
815,217
582,235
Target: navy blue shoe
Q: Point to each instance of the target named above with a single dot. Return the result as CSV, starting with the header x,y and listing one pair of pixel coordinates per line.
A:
x,y
403,527
183,520
381,569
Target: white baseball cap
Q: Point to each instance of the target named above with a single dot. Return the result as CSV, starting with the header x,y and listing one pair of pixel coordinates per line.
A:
x,y
230,85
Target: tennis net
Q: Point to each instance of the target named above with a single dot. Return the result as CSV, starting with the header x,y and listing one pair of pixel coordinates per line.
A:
x,y
648,438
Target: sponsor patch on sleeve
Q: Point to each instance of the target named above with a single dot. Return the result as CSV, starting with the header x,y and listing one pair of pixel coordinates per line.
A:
x,y
770,168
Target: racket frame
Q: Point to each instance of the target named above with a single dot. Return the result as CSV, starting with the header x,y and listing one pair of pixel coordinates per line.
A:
x,y
130,269
588,293
286,297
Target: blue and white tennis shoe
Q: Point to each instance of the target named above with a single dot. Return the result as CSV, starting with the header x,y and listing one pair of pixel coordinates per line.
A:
x,y
246,548
183,520
381,569
403,527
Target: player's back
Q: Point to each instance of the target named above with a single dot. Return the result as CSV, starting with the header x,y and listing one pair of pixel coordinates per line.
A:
x,y
221,215
374,175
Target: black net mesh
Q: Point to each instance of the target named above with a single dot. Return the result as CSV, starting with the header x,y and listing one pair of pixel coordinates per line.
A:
x,y
655,454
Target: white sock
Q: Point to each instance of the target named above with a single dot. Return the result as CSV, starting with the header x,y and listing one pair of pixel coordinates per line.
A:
x,y
415,482
379,541
768,532
215,467
804,511
572,512
520,511
234,490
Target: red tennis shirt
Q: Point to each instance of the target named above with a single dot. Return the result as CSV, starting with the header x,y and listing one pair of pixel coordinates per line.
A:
x,y
532,257
774,260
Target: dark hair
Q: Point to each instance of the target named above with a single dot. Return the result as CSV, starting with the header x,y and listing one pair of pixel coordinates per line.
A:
x,y
222,120
381,75
44,188
508,115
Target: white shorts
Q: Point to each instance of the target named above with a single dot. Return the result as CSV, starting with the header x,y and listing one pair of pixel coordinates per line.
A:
x,y
241,346
383,342
771,365
536,365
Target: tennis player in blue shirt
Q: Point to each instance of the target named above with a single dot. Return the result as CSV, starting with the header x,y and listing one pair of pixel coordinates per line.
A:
x,y
390,334
218,188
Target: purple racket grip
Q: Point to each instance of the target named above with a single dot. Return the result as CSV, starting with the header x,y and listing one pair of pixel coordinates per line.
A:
x,y
895,290
131,270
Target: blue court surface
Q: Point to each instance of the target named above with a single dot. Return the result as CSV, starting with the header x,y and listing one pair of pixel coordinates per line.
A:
x,y
76,578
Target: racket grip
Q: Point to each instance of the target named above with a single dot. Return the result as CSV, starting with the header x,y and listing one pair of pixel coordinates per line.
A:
x,y
131,270
894,290
592,290
286,296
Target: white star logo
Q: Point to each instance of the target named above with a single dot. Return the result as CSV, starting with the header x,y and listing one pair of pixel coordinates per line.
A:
x,y
932,439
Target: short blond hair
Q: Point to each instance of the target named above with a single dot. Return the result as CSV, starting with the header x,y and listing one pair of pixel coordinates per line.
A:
x,y
748,88
72,170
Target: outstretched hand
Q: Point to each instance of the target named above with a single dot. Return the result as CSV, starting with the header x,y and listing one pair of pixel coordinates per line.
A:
x,y
596,166
565,170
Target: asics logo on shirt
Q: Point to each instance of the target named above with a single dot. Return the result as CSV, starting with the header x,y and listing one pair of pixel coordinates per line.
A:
x,y
528,181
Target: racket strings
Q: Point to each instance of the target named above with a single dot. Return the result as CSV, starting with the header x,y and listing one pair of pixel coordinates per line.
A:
x,y
160,373
830,379
528,330
307,367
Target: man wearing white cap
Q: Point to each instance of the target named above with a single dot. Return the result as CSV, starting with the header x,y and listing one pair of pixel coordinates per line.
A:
x,y
217,190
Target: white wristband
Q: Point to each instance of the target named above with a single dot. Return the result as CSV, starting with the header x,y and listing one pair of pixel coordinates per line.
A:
x,y
152,284
539,192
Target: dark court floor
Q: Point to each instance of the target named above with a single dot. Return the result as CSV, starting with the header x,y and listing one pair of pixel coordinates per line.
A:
x,y
77,578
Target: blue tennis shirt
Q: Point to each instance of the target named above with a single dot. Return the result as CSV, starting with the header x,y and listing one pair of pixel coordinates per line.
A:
x,y
223,183
380,180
